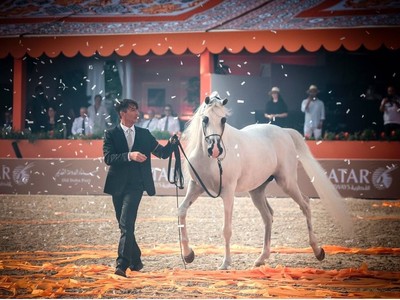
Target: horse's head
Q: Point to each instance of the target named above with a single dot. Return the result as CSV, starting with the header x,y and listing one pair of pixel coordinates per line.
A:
x,y
213,123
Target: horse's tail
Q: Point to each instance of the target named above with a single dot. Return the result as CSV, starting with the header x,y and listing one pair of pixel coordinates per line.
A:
x,y
328,194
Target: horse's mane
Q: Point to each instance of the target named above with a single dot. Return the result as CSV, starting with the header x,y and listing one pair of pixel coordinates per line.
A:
x,y
193,131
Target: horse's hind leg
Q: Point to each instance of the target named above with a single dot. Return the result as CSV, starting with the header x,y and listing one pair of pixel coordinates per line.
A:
x,y
193,192
261,203
292,189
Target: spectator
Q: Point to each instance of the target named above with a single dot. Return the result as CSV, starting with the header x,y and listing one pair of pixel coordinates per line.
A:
x,y
151,122
97,112
169,122
82,125
276,110
38,110
55,127
390,106
51,122
314,110
7,121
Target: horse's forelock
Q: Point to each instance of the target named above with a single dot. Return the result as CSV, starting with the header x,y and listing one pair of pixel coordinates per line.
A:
x,y
191,134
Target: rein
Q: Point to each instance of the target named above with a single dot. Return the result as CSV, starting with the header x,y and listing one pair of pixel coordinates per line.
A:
x,y
178,178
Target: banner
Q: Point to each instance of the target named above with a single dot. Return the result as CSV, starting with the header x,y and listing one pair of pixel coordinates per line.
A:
x,y
377,179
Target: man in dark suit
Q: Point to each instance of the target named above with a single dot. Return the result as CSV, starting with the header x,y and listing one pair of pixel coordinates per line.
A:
x,y
127,150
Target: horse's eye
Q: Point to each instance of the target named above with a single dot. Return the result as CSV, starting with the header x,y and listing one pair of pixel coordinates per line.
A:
x,y
205,120
223,120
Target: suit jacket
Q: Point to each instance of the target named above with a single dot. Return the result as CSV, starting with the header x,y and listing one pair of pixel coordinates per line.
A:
x,y
124,173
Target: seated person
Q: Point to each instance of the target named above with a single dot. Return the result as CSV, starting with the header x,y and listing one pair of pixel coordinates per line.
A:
x,y
151,123
82,125
169,122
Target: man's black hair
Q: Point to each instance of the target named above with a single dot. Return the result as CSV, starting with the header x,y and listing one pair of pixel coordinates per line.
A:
x,y
124,105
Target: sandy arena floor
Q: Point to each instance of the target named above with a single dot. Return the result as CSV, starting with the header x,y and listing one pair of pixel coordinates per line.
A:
x,y
60,223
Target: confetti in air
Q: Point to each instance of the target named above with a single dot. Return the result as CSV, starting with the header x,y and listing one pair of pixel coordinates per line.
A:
x,y
240,101
243,82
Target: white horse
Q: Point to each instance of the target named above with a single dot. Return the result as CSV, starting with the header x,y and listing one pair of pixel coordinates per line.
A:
x,y
249,158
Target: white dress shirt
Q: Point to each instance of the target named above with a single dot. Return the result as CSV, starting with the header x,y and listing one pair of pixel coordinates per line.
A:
x,y
99,118
314,114
150,124
173,124
77,126
127,132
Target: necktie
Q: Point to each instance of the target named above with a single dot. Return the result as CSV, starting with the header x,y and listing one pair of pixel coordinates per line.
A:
x,y
83,126
166,124
148,123
129,138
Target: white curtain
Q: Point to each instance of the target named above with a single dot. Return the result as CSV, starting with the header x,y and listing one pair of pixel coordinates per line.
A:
x,y
125,70
95,80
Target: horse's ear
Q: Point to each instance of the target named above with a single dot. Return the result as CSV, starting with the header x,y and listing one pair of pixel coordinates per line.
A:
x,y
207,100
225,101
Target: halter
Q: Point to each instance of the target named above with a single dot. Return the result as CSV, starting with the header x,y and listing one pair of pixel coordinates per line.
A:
x,y
207,137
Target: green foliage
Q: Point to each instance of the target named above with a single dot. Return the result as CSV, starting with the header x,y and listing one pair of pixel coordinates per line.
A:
x,y
161,135
365,135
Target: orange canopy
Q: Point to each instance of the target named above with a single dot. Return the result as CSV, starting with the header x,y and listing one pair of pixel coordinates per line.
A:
x,y
197,42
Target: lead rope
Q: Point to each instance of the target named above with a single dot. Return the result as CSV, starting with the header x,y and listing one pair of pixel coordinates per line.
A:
x,y
178,181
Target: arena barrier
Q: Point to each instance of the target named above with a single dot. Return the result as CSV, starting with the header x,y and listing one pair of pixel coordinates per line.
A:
x,y
376,179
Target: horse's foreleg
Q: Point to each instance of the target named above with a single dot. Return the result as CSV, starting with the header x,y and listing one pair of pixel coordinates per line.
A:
x,y
260,202
227,231
193,192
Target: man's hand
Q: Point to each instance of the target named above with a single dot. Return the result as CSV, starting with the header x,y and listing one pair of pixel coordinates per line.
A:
x,y
137,156
174,139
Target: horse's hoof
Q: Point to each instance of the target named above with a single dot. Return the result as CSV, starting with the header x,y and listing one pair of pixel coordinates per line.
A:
x,y
190,257
259,263
321,255
223,267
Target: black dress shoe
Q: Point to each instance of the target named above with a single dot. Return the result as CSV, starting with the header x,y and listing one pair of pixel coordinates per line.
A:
x,y
120,272
136,267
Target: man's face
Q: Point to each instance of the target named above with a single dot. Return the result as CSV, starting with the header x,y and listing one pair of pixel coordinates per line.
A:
x,y
167,111
97,101
83,112
131,114
390,91
150,113
313,93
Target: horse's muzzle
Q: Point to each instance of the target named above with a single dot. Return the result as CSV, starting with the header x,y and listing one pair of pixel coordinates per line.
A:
x,y
214,148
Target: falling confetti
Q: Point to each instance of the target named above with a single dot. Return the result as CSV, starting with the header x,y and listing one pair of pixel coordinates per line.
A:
x,y
240,101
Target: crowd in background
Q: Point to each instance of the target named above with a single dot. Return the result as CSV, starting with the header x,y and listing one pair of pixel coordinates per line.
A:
x,y
276,112
53,119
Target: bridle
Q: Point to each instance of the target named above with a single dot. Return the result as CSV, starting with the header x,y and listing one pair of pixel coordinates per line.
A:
x,y
177,148
207,138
